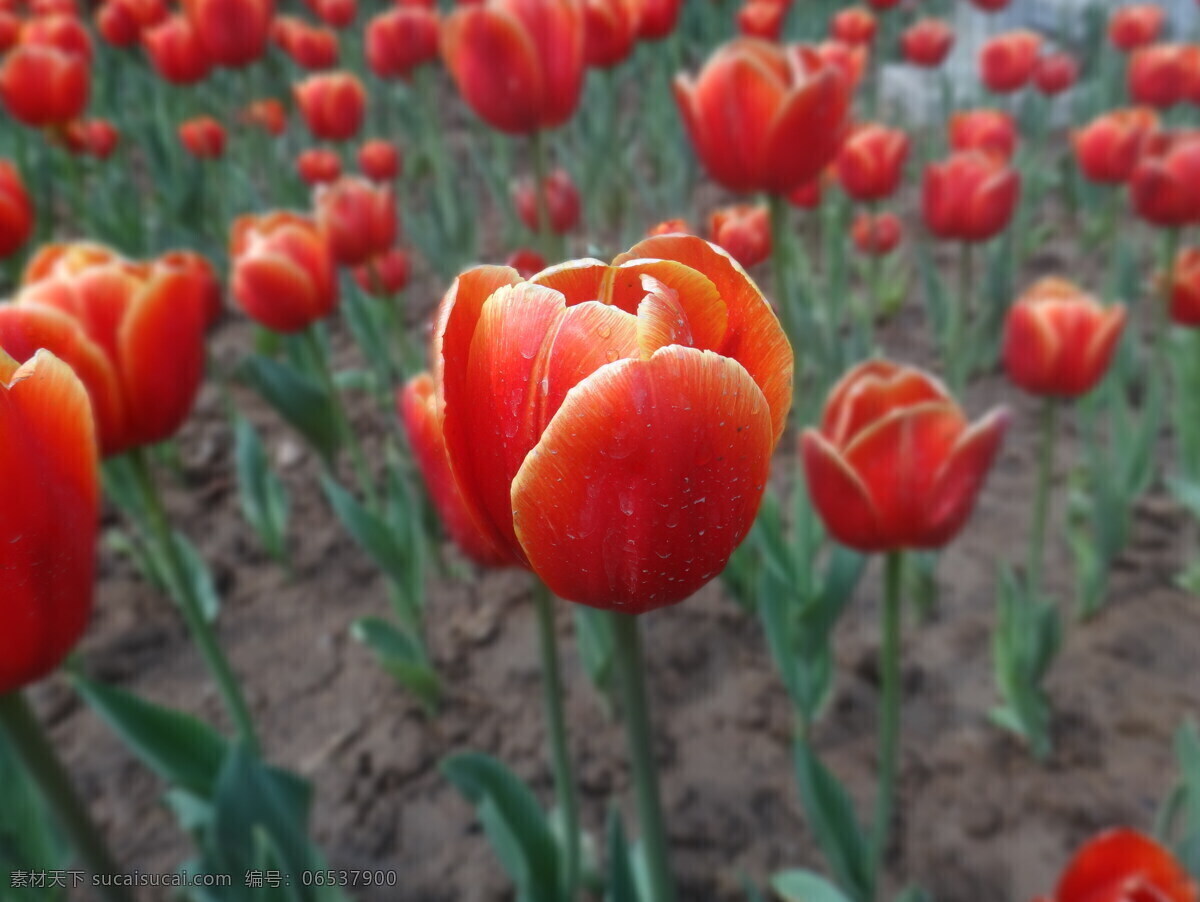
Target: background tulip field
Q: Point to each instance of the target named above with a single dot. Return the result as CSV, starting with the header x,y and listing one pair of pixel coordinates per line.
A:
x,y
608,450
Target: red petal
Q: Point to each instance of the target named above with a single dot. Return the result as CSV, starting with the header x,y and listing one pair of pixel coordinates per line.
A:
x,y
737,98
807,132
456,318
707,315
869,392
495,65
839,495
953,495
1115,856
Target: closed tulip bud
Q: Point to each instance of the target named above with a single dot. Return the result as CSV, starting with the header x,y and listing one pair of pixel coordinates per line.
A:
x,y
65,33
762,118
658,19
42,86
175,51
284,275
762,19
1157,74
526,261
268,114
1131,27
1054,73
94,137
876,236
233,32
986,130
871,162
743,231
1007,61
855,25
1059,341
610,28
318,165
1165,184
970,196
927,42
333,105
670,358
335,13
562,202
894,463
358,218
203,137
310,46
385,274
51,498
1122,865
379,160
401,39
518,64
670,227
16,211
848,59
1108,147
121,22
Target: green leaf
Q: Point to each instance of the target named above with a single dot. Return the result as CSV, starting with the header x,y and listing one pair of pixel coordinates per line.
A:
x,y
805,886
831,816
264,499
401,656
300,400
370,531
597,644
621,884
28,838
199,577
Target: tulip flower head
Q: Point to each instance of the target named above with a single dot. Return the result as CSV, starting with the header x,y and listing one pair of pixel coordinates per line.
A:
x,y
526,261
990,131
970,196
233,32
854,25
203,137
176,52
1165,183
670,227
357,217
284,276
744,230
1184,288
379,160
16,211
1122,865
562,202
658,19
1108,147
267,114
43,85
1055,73
871,162
762,19
876,236
1157,75
318,165
333,105
849,59
94,137
609,29
385,274
927,42
1007,61
1131,27
401,39
310,46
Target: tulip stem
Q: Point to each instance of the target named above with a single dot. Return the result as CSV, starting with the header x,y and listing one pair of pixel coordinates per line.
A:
x,y
1159,315
556,722
19,725
635,712
189,605
889,713
1041,504
541,170
957,357
782,266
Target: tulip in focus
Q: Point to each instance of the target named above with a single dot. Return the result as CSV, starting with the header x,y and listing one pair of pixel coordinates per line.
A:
x,y
379,160
1108,147
1165,184
562,202
43,86
927,42
1007,61
969,196
203,137
385,274
283,273
1157,74
1055,73
990,131
1122,865
854,25
16,211
876,236
894,463
318,166
333,104
1135,26
401,39
233,32
609,31
871,162
176,52
358,218
744,231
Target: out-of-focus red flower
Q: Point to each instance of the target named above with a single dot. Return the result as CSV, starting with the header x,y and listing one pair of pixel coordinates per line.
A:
x,y
807,196
518,64
744,231
1055,72
871,162
883,4
970,196
121,22
762,118
1007,61
848,59
762,19
16,210
284,275
65,33
335,13
1185,288
659,18
876,235
43,86
203,137
853,25
400,39
318,165
1157,74
203,274
385,274
610,28
176,52
39,8
1135,26
1122,865
562,202
895,464
379,160
990,6
51,497
333,104
1108,147
95,137
670,227
310,46
357,217
10,29
1165,184
233,32
267,114
987,130
1058,340
526,261
927,42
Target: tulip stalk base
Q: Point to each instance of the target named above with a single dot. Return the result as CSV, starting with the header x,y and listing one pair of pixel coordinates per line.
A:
x,y
635,712
889,714
20,727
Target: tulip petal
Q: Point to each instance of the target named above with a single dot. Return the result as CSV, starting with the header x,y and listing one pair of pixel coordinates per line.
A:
x,y
1030,348
952,496
869,391
1102,344
839,495
661,320
275,291
645,481
456,318
577,280
805,134
1113,859
478,42
707,315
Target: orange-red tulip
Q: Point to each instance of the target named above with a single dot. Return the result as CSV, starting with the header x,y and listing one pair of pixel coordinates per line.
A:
x,y
203,137
234,32
1054,73
1184,288
610,28
51,501
10,30
95,137
670,227
202,272
318,165
1157,75
854,25
357,217
1131,27
310,46
744,230
385,274
400,39
876,236
762,19
267,114
1007,61
526,261
762,118
284,275
1122,865
895,464
927,42
335,13
176,52
611,427
848,59
562,202
65,33
969,196
44,86
121,22
333,104
1108,147
871,162
379,160
16,210
1165,184
518,64
990,131
659,18
1059,341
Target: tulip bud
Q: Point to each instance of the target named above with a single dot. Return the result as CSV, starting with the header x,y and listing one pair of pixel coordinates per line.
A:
x,y
121,22
1131,27
1184,288
658,19
927,42
310,46
762,19
610,28
268,114
526,261
400,40
203,137
1157,74
233,32
1108,147
562,202
333,105
848,59
969,196
176,52
43,86
283,271
379,160
16,211
1165,184
95,137
318,166
871,162
1007,61
855,25
335,13
385,274
357,218
876,236
670,227
744,231
989,131
1054,73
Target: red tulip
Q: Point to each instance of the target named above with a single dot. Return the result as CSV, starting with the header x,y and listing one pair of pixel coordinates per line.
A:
x,y
16,211
895,464
876,236
744,231
1007,61
379,160
335,13
631,412
10,30
1157,74
990,6
854,25
1059,341
310,46
989,131
1165,184
268,114
762,19
1054,73
1108,147
670,227
203,137
233,32
848,59
871,162
318,165
43,86
385,274
927,42
65,33
1184,288
53,8
763,119
399,40
658,19
201,271
562,202
1131,27
333,104
883,4
969,196
283,271
176,52
610,28
358,218
51,499
121,22
807,196
95,137
1122,865
526,261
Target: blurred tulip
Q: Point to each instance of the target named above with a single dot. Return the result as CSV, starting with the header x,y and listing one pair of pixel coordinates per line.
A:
x,y
927,42
762,119
876,236
871,162
1007,61
95,137
519,64
310,46
744,231
1156,75
1054,73
385,274
283,273
201,272
358,218
848,59
883,5
1184,288
1122,865
379,160
990,131
1131,27
318,165
990,6
203,137
333,104
233,32
175,51
854,25
51,499
1165,184
610,28
65,33
670,358
895,463
43,86
399,40
1059,341
807,196
335,13
670,227
970,196
562,202
658,19
1108,147
39,8
526,261
10,30
267,114
121,22
762,18
16,211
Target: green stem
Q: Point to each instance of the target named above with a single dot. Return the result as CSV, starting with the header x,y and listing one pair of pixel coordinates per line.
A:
x,y
1041,504
783,265
632,687
564,783
957,356
20,726
889,714
201,630
1159,322
541,171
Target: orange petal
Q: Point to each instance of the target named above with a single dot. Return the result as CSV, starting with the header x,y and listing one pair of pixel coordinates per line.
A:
x,y
458,314
645,481
839,495
1118,857
577,280
275,291
707,315
869,392
661,320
